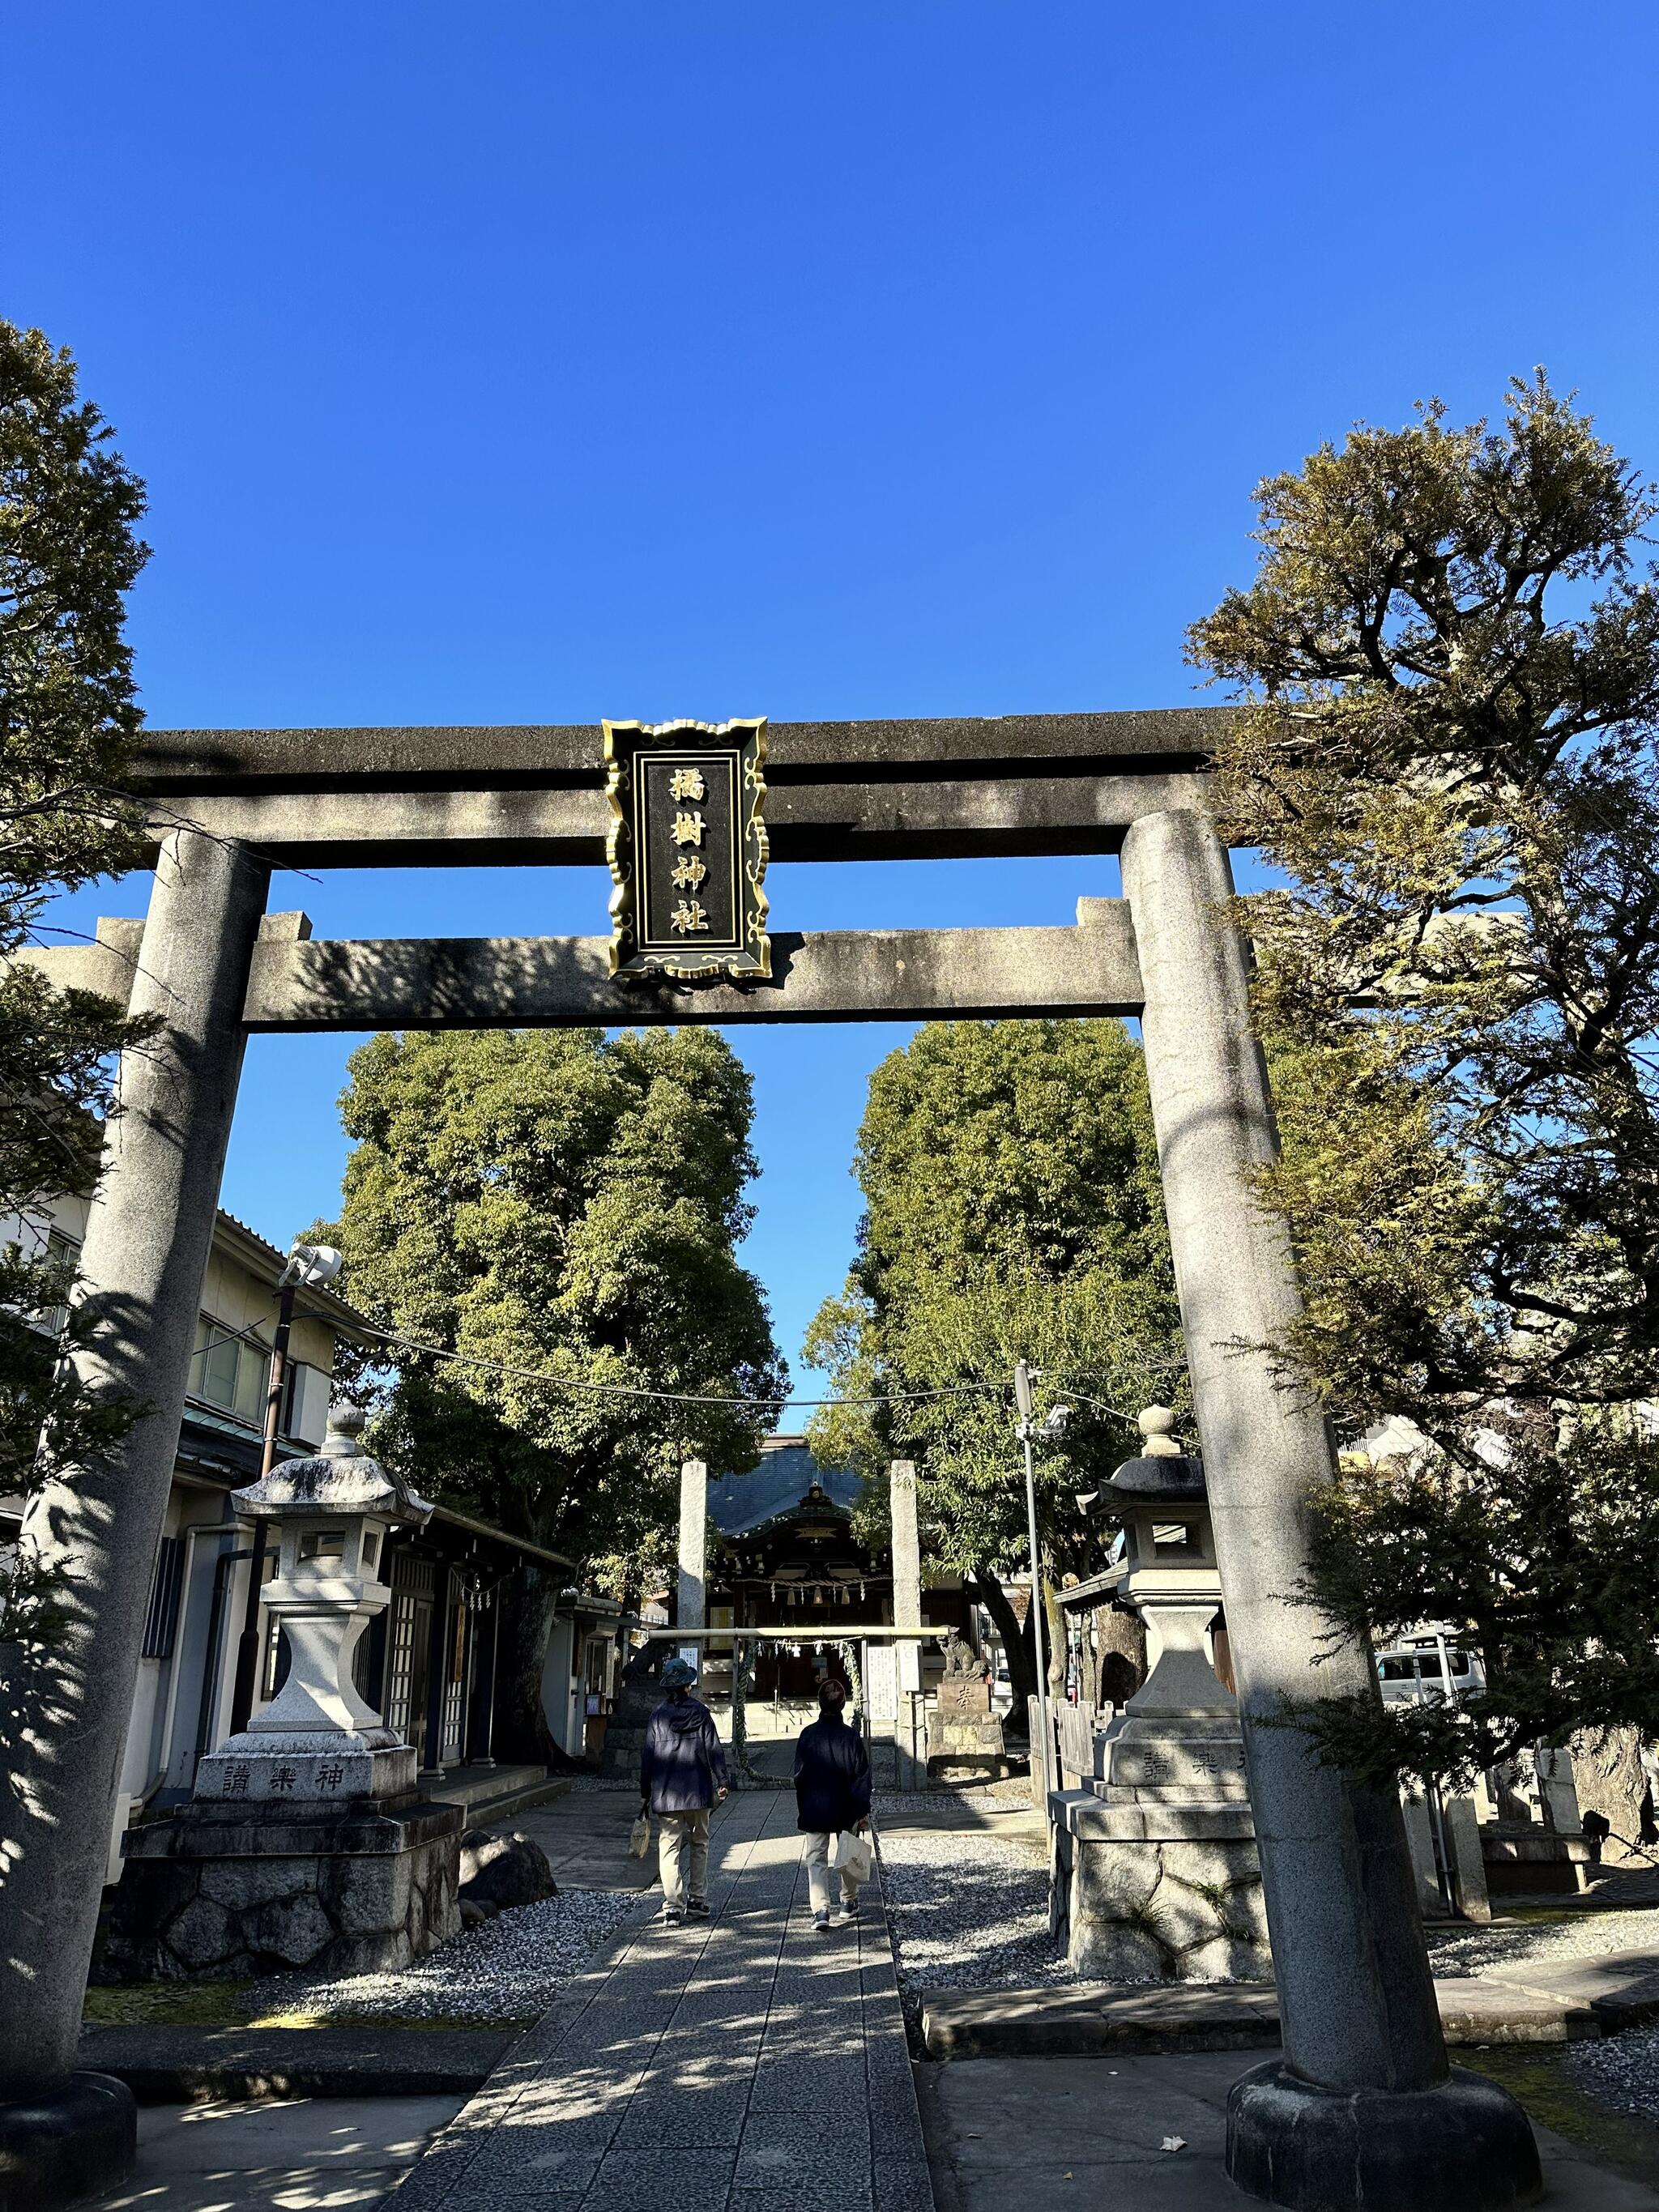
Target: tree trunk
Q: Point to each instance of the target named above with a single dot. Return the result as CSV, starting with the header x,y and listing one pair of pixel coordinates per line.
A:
x,y
629,1597
1608,1777
521,1729
1120,1666
1016,1646
1054,1637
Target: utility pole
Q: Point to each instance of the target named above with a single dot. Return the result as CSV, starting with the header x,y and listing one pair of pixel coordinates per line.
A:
x,y
308,1267
1028,1431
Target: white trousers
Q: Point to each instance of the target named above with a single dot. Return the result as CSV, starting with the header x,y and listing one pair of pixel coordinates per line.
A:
x,y
683,1856
821,1877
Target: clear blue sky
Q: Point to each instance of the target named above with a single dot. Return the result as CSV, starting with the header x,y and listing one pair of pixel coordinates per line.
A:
x,y
536,363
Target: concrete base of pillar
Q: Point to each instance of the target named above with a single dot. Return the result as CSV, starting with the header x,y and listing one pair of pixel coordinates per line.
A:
x,y
340,1890
71,2143
910,1750
1465,2146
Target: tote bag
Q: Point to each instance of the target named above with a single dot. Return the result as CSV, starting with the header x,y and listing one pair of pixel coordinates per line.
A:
x,y
852,1857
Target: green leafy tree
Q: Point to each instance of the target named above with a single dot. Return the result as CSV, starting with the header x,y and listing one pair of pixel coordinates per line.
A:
x,y
565,1210
1446,670
68,718
1013,1211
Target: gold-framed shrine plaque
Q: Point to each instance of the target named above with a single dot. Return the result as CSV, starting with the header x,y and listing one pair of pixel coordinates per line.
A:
x,y
687,848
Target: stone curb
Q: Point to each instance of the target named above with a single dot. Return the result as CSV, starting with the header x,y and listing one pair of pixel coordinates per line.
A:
x,y
1621,1987
484,1812
1089,2018
191,2065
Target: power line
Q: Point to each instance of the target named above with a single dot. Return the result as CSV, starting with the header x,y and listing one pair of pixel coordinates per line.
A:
x,y
1101,1405
706,1398
671,1397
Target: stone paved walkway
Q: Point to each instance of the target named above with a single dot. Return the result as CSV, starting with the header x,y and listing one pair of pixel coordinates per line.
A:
x,y
585,1835
744,2064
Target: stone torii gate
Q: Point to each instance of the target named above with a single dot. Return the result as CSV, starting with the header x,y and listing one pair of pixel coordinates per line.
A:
x,y
1363,2109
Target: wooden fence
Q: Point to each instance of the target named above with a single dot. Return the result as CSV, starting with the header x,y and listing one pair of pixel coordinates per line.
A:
x,y
1074,1729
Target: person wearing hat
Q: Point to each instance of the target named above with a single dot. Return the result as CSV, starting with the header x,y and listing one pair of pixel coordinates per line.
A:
x,y
682,1776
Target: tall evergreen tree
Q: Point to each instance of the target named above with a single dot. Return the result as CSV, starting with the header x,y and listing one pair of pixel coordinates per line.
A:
x,y
68,718
566,1206
1013,1211
1446,670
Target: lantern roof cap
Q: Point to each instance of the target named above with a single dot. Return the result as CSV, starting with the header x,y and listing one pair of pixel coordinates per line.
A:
x,y
1163,1469
1178,1477
341,1476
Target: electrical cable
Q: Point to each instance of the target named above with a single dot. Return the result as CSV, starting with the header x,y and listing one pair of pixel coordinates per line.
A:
x,y
670,1397
1101,1405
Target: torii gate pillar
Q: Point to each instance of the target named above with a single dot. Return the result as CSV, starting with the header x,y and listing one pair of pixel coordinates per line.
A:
x,y
91,1531
1364,2108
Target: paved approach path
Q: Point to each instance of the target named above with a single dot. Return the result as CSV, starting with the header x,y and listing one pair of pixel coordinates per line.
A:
x,y
743,2064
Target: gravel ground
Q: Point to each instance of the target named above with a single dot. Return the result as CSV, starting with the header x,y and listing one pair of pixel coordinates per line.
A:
x,y
968,1910
1622,2071
1457,1952
511,1968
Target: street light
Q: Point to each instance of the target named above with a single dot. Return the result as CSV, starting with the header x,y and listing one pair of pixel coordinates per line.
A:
x,y
1030,1431
309,1267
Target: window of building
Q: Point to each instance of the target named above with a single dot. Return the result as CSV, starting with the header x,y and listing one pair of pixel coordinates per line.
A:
x,y
66,1251
162,1615
228,1371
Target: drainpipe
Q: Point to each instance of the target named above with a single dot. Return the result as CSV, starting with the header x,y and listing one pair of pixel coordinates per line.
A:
x,y
175,1664
247,1648
211,1675
308,1267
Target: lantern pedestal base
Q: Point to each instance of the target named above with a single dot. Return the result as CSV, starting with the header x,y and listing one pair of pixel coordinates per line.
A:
x,y
304,1767
223,1891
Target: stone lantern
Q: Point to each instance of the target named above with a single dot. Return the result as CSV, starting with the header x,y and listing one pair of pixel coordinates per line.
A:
x,y
305,1843
330,1516
1154,1871
1172,1579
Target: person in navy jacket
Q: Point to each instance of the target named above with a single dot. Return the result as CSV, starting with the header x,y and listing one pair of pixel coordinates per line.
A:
x,y
682,1776
832,1793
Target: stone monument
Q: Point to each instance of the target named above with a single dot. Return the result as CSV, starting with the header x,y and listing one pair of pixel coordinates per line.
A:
x,y
693,1608
304,1843
910,1727
638,1694
964,1736
1155,1872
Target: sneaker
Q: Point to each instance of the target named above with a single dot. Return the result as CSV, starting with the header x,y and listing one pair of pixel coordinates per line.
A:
x,y
674,1916
841,1919
697,1907
820,1923
849,1909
